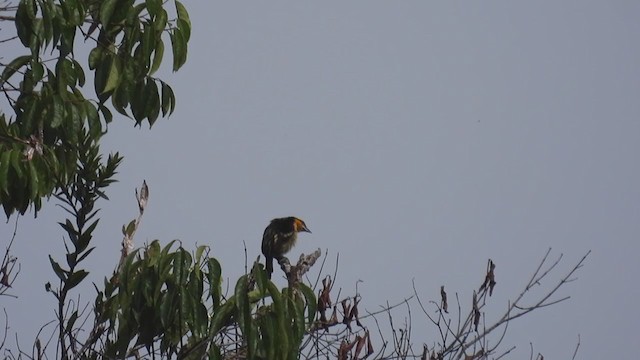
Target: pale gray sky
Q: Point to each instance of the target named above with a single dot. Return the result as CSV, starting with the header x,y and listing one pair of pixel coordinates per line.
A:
x,y
415,138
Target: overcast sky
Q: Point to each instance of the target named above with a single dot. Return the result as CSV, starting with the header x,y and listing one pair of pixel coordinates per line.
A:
x,y
417,139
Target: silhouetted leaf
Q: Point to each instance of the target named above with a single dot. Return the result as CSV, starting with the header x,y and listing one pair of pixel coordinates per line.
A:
x,y
75,279
62,274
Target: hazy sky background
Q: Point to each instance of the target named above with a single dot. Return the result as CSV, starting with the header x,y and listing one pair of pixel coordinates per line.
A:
x,y
416,138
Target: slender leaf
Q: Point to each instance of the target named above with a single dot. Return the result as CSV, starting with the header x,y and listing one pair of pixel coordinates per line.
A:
x,y
62,274
179,47
168,99
75,279
57,111
244,311
14,66
153,102
33,181
311,302
214,276
5,159
157,57
182,12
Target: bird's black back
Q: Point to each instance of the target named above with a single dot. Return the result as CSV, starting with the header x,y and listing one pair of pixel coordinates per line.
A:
x,y
283,225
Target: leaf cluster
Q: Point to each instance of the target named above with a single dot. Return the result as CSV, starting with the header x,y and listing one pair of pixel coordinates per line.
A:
x,y
51,114
78,199
169,303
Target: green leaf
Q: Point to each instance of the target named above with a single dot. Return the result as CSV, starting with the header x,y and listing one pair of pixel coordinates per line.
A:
x,y
168,99
131,35
153,102
100,80
65,74
9,208
58,25
214,352
214,275
73,12
95,56
179,268
167,308
130,228
114,75
151,253
245,321
27,85
179,47
47,18
182,12
79,73
167,248
86,253
37,70
199,251
147,42
14,66
120,98
23,23
160,22
72,320
196,282
201,319
58,270
69,228
279,309
138,102
153,6
298,319
185,28
87,231
75,279
157,56
95,126
121,12
311,302
106,11
68,36
106,113
57,111
36,37
33,181
5,159
16,163
30,115
184,23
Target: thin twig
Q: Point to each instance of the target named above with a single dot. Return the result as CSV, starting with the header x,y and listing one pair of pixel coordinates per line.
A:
x,y
575,352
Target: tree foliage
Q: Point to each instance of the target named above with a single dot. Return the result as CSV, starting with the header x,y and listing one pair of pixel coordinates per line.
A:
x,y
170,303
51,113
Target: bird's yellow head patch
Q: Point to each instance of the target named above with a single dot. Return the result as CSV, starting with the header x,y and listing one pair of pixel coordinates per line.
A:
x,y
300,226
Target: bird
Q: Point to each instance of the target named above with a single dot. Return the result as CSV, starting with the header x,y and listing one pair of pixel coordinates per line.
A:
x,y
279,237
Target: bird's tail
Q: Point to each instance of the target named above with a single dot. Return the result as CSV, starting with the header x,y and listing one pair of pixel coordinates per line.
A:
x,y
269,263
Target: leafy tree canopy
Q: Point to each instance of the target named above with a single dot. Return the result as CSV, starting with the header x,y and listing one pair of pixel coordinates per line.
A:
x,y
52,116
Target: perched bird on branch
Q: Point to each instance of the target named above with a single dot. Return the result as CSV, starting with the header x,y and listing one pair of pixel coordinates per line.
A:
x,y
279,237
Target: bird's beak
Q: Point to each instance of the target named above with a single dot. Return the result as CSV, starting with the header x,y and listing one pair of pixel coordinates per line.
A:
x,y
306,229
